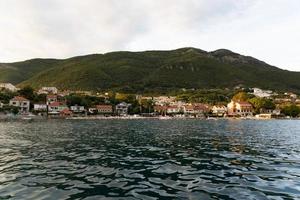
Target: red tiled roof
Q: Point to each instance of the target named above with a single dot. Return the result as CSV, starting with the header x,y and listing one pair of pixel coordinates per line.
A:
x,y
189,107
19,98
56,103
103,106
172,107
220,106
51,96
244,103
160,107
66,111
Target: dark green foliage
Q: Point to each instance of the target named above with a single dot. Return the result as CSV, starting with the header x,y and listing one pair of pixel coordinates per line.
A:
x,y
291,110
146,106
211,96
86,101
241,96
151,71
260,104
27,92
5,96
10,109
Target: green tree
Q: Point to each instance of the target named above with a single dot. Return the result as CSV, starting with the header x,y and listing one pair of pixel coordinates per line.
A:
x,y
291,110
241,96
5,96
15,110
262,103
27,92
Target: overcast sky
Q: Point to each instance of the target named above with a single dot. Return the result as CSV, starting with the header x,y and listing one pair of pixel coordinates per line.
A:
x,y
266,29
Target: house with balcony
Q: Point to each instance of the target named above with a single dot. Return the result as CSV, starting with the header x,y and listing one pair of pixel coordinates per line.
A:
x,y
219,110
173,109
240,109
196,109
50,98
104,109
40,107
78,110
55,108
20,102
122,108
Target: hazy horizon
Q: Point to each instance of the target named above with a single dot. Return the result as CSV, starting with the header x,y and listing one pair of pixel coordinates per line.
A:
x,y
267,30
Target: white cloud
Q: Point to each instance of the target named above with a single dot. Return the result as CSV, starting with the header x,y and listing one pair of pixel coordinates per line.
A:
x,y
268,30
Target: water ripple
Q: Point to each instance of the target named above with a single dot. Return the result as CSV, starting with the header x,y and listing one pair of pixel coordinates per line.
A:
x,y
150,159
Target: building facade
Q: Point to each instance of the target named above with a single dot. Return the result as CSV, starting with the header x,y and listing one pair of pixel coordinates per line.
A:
x,y
239,108
104,109
122,108
22,103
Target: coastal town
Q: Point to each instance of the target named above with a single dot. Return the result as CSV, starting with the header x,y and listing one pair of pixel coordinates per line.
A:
x,y
49,102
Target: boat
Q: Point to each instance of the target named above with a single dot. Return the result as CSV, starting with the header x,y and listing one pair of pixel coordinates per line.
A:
x,y
211,118
27,118
164,117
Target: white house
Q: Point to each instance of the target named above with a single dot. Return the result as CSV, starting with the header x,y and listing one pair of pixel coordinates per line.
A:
x,y
40,107
189,109
262,93
122,108
219,110
22,103
1,104
173,109
77,109
48,90
163,100
197,109
8,86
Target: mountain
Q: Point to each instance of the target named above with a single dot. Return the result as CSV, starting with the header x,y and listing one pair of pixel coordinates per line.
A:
x,y
151,71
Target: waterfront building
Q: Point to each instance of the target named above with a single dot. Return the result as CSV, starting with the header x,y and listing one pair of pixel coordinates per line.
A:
x,y
239,108
22,103
55,108
173,109
189,109
77,109
104,109
40,107
219,110
122,108
66,112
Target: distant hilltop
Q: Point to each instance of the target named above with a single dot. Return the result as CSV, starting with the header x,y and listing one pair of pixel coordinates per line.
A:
x,y
151,71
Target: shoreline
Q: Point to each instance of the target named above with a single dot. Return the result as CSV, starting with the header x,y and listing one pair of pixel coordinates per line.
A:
x,y
40,118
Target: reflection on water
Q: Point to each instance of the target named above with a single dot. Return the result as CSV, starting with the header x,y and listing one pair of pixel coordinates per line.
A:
x,y
150,159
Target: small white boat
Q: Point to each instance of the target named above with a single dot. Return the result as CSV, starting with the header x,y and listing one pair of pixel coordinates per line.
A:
x,y
211,118
164,117
27,118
